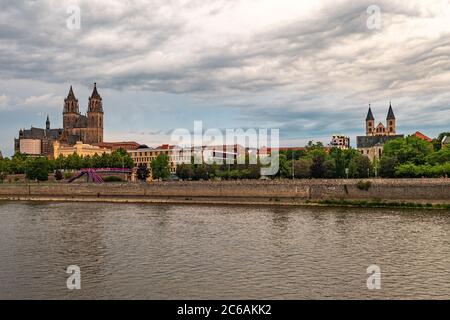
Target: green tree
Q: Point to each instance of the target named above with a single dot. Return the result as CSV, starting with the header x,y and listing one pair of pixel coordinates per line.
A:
x,y
38,169
201,172
318,165
253,171
88,162
440,157
340,162
60,162
314,145
387,166
360,167
410,149
18,163
295,154
184,171
74,162
329,167
160,167
4,169
302,168
142,172
285,167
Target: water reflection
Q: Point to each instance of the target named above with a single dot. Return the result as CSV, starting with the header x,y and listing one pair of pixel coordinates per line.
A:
x,y
168,252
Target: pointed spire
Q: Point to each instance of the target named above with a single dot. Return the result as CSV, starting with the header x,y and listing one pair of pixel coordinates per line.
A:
x,y
370,116
390,115
95,92
47,123
71,95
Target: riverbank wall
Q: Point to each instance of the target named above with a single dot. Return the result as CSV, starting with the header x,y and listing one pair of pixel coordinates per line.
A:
x,y
276,192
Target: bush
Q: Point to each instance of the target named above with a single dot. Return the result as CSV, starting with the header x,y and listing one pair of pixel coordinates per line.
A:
x,y
112,179
58,175
364,185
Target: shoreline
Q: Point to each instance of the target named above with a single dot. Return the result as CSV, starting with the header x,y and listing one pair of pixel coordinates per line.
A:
x,y
397,193
226,202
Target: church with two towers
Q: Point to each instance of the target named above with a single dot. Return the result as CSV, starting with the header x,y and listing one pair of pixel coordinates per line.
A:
x,y
372,144
86,128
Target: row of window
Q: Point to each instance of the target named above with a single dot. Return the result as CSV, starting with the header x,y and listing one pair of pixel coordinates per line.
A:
x,y
146,153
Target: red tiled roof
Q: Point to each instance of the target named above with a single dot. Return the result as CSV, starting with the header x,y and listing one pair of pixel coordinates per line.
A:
x,y
420,135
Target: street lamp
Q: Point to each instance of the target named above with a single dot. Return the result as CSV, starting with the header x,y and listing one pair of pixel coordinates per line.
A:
x,y
293,167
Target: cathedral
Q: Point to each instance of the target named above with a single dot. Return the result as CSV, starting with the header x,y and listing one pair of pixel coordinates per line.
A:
x,y
87,129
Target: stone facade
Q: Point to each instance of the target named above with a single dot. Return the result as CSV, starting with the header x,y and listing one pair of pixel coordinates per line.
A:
x,y
147,155
81,149
372,144
76,127
248,192
43,140
85,128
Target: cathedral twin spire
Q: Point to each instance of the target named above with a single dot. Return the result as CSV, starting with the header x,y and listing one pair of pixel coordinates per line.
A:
x,y
389,129
87,128
390,116
95,102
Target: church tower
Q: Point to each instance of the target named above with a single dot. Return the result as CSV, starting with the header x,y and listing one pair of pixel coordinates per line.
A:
x,y
95,117
71,111
391,123
47,123
370,123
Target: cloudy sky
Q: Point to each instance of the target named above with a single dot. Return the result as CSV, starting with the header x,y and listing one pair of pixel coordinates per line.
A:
x,y
309,68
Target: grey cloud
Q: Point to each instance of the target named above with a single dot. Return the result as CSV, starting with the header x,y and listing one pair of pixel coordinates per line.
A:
x,y
329,63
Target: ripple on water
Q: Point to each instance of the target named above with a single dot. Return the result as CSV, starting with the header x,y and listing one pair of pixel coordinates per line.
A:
x,y
169,252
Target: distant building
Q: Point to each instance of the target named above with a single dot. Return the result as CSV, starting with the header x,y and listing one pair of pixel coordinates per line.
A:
x,y
372,144
126,145
340,142
421,136
76,127
37,141
178,155
147,155
86,128
81,149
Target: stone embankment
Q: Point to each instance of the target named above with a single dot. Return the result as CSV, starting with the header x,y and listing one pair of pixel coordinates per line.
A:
x,y
277,192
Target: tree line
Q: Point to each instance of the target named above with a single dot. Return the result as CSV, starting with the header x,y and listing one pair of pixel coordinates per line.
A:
x,y
315,161
408,157
412,157
38,168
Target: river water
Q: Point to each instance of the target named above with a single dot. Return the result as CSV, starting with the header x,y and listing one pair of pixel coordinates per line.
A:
x,y
201,252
